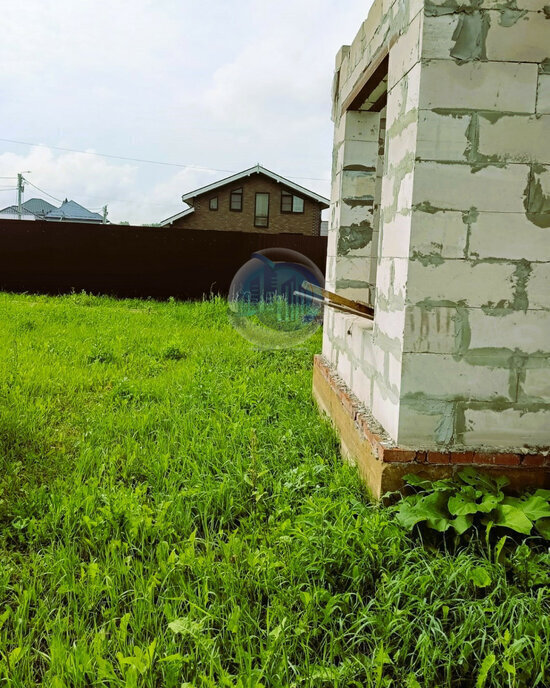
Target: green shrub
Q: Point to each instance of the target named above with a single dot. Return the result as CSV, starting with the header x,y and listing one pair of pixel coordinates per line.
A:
x,y
473,499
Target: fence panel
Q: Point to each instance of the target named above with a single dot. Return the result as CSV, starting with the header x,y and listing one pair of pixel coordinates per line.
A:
x,y
127,261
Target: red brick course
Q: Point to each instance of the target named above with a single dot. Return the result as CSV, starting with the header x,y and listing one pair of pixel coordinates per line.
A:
x,y
439,457
535,460
463,457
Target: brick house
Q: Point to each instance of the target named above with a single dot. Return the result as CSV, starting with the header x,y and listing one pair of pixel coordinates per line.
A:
x,y
255,200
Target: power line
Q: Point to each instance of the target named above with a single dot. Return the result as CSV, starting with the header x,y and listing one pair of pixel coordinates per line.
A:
x,y
115,157
141,160
80,196
42,191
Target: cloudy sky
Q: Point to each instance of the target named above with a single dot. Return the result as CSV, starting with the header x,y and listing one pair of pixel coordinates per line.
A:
x,y
210,87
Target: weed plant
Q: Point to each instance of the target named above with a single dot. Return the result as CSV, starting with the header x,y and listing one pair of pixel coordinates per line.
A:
x,y
175,513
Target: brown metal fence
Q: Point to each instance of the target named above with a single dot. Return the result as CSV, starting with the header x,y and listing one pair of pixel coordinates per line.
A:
x,y
129,261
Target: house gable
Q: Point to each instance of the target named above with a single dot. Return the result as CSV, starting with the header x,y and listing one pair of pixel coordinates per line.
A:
x,y
256,200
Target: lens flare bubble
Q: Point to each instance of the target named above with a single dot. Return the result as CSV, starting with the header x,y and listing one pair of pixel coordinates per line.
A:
x,y
267,303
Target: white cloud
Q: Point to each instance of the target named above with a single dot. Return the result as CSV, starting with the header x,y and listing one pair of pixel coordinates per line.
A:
x,y
94,182
241,83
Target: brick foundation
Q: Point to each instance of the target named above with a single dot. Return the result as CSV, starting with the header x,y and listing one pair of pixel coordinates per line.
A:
x,y
382,464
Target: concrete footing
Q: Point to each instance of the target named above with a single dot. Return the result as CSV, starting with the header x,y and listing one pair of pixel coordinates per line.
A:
x,y
382,463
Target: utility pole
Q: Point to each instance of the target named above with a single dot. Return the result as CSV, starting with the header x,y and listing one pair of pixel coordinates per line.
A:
x,y
104,214
20,189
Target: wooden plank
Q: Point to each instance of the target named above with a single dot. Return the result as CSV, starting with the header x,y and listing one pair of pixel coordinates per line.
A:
x,y
337,307
359,306
366,83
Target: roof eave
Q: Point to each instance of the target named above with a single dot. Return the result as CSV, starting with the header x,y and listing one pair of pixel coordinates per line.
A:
x,y
257,169
173,218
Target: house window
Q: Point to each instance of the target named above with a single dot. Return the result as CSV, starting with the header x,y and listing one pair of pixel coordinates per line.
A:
x,y
261,211
236,200
291,203
213,203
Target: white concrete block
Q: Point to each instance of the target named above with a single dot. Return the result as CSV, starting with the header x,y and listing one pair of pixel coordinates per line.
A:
x,y
338,331
405,192
443,233
417,429
508,235
529,5
525,331
459,187
509,428
377,356
538,288
356,337
516,138
460,281
340,55
339,132
362,387
330,276
357,47
403,98
394,371
361,126
344,367
335,190
357,184
390,323
415,6
385,409
332,242
502,86
440,376
378,353
537,383
543,97
401,143
387,195
396,236
342,325
357,154
353,214
328,320
328,347
430,331
352,269
372,22
386,9
524,41
369,351
391,277
397,191
441,137
437,38
405,52
367,49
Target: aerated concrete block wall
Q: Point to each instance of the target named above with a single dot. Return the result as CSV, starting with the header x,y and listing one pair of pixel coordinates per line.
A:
x,y
455,249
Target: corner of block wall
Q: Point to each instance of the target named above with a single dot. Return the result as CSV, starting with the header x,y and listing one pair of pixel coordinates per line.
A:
x,y
382,464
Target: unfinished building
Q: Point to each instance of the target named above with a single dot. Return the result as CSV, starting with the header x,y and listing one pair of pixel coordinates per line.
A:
x,y
440,217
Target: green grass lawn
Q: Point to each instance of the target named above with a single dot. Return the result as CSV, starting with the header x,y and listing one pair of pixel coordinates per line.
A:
x,y
174,512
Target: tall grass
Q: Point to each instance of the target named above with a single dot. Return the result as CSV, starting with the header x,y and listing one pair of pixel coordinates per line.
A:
x,y
175,513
